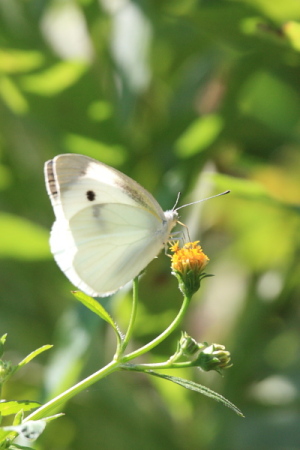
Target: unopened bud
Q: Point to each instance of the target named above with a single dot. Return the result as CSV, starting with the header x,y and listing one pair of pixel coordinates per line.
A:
x,y
214,357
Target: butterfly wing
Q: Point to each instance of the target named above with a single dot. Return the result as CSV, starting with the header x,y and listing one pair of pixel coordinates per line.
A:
x,y
101,248
73,181
107,229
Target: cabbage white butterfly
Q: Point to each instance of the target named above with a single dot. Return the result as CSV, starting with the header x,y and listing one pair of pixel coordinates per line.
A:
x,y
108,228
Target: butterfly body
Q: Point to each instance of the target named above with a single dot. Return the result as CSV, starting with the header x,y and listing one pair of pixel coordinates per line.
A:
x,y
108,227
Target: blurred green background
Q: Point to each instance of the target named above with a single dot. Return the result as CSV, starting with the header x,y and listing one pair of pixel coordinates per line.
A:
x,y
181,95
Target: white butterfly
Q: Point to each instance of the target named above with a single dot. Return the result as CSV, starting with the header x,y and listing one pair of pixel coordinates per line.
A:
x,y
107,228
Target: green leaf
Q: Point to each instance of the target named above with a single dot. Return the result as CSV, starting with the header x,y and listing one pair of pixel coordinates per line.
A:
x,y
3,436
113,154
191,385
55,79
12,96
23,239
291,30
199,135
14,406
33,354
18,61
19,417
95,307
3,338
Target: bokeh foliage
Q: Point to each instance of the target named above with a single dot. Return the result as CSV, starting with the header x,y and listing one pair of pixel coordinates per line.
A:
x,y
182,95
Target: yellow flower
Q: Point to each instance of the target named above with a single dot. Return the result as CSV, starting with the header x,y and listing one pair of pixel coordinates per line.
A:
x,y
187,264
189,257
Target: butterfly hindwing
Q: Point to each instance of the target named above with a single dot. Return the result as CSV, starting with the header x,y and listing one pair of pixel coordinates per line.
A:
x,y
103,248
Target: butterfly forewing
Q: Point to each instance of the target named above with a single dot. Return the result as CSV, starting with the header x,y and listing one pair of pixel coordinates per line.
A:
x,y
73,181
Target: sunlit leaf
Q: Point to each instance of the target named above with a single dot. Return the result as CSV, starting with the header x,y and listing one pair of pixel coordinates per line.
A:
x,y
100,110
22,239
33,355
19,417
12,96
14,61
5,435
292,31
110,154
55,79
199,135
94,306
14,406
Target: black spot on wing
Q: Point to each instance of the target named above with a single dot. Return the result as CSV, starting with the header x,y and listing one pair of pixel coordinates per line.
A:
x,y
91,196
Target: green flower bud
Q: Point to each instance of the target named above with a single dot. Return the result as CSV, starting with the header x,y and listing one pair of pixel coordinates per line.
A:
x,y
188,345
214,357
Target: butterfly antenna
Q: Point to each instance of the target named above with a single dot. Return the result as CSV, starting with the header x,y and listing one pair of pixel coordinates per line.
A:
x,y
177,200
198,201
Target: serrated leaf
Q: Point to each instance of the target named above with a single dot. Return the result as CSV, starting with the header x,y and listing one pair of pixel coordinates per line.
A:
x,y
14,406
191,385
95,307
32,355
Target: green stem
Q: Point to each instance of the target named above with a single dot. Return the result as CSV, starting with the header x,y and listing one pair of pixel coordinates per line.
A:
x,y
165,365
53,404
163,335
127,337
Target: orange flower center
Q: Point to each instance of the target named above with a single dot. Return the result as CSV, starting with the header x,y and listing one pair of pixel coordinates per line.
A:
x,y
189,257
